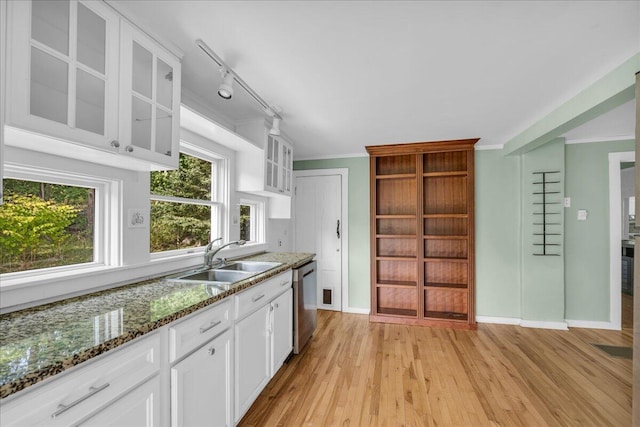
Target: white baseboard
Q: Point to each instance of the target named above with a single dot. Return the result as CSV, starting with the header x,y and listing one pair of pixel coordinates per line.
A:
x,y
591,324
356,310
498,320
544,325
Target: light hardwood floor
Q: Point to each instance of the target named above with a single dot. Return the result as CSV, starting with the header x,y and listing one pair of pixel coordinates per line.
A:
x,y
357,373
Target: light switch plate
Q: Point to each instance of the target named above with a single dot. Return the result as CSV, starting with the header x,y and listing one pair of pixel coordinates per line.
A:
x,y
582,214
137,218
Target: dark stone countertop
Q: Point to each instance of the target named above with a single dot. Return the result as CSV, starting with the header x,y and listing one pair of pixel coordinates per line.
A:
x,y
45,340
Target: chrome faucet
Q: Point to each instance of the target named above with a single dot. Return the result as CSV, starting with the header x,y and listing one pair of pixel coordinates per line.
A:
x,y
210,253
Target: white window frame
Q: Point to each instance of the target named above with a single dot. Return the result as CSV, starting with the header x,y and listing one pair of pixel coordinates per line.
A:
x,y
257,218
219,172
107,248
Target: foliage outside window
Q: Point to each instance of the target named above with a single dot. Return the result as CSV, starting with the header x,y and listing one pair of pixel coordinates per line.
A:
x,y
184,208
245,223
252,221
45,225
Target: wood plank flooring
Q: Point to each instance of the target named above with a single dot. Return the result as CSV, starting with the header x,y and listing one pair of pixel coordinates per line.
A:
x,y
357,373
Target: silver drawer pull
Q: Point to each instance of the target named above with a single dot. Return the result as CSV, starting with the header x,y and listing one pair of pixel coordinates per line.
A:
x,y
212,351
285,283
259,297
211,325
92,390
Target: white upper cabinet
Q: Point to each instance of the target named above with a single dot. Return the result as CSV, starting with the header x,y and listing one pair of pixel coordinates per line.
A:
x,y
64,70
266,170
149,99
278,165
83,76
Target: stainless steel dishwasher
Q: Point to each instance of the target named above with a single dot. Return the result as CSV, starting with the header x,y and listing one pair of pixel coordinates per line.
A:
x,y
304,304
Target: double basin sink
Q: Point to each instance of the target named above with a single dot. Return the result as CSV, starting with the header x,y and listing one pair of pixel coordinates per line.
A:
x,y
224,277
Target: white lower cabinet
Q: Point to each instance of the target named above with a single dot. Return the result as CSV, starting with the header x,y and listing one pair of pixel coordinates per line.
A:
x,y
113,381
138,408
210,365
282,335
201,386
263,339
252,364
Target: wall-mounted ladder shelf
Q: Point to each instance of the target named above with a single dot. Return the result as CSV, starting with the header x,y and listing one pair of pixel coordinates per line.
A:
x,y
547,213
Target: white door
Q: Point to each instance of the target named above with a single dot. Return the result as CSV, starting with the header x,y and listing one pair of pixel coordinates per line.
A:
x,y
282,330
201,386
318,225
251,357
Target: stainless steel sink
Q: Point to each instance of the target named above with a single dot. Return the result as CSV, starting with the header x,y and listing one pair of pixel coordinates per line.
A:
x,y
250,266
220,276
224,278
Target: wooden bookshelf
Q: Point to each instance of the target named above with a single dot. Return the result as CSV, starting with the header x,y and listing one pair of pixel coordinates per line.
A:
x,y
422,233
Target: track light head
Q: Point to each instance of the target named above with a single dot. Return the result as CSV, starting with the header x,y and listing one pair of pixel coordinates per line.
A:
x,y
275,127
225,90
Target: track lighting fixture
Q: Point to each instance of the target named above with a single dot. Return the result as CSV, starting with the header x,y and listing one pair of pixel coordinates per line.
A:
x,y
225,90
275,127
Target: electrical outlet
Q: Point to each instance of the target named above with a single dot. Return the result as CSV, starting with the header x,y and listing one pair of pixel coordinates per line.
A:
x,y
567,202
137,218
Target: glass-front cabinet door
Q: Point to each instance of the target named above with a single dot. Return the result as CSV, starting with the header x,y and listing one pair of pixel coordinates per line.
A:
x,y
149,100
64,69
287,168
272,164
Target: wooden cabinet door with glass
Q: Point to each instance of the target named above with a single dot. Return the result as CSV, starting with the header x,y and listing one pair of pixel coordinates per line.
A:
x,y
422,233
63,70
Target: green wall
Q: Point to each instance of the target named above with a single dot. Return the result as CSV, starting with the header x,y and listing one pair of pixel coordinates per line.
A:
x,y
543,276
359,273
510,282
497,234
587,242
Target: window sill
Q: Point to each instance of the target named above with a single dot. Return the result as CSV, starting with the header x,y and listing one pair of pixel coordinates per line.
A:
x,y
36,289
25,279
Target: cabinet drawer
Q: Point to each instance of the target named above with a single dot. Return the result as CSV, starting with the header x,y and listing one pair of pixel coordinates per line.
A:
x,y
257,296
199,328
73,395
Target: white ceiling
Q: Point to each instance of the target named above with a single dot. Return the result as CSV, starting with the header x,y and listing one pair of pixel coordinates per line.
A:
x,y
356,73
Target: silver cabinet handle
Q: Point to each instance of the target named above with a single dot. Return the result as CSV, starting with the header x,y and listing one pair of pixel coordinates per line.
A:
x,y
211,325
338,229
212,351
129,148
115,144
92,390
259,297
276,304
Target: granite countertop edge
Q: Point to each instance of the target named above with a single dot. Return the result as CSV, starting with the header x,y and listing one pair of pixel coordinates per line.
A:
x,y
40,375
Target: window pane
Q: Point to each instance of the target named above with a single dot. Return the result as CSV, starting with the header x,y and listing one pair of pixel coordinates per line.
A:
x,y
50,24
45,225
140,123
164,92
179,225
49,86
142,70
90,102
163,132
91,39
245,223
192,180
